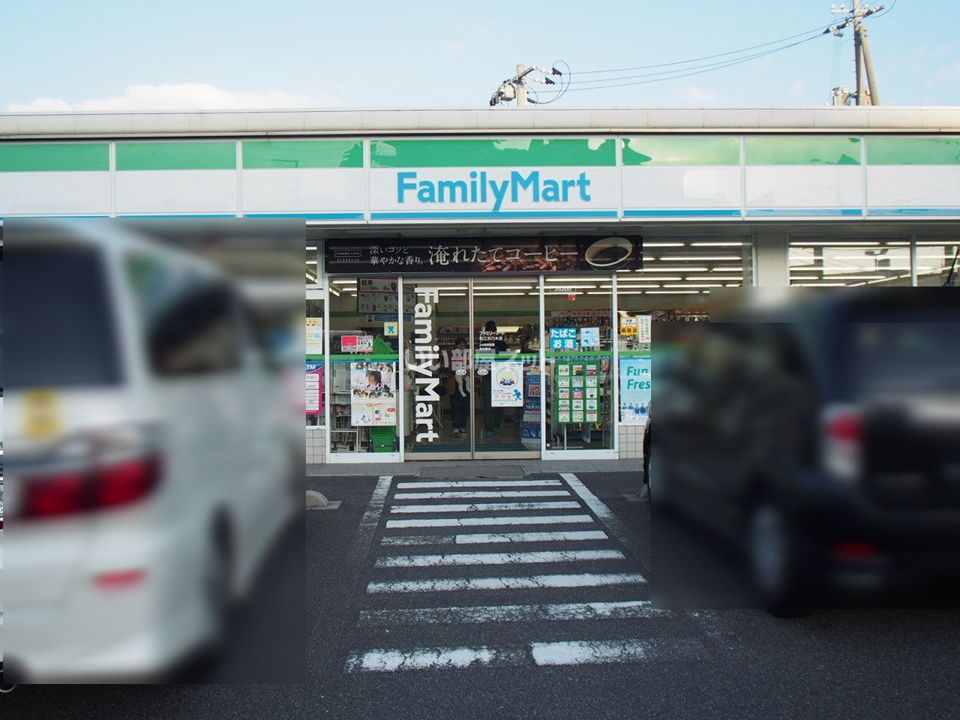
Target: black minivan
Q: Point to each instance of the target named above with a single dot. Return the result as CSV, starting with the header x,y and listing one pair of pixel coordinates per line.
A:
x,y
822,436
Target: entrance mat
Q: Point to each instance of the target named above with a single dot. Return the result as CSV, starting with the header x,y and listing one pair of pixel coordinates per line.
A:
x,y
471,469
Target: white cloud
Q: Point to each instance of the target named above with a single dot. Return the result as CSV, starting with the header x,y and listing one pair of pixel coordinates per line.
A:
x,y
696,95
797,88
182,96
453,45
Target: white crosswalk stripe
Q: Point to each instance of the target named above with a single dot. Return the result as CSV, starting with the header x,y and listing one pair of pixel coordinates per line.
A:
x,y
593,586
489,521
508,558
468,494
492,538
486,507
437,484
512,613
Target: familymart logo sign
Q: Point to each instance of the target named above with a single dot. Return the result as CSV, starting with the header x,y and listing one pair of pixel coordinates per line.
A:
x,y
479,188
494,191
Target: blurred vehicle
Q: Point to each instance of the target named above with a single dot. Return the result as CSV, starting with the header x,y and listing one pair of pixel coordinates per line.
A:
x,y
823,437
149,466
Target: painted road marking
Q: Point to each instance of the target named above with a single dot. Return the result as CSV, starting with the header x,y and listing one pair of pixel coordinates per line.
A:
x,y
626,610
508,558
584,652
486,507
507,583
427,485
434,658
464,494
483,522
576,652
615,525
483,538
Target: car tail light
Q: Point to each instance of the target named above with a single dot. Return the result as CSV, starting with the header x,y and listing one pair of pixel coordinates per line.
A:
x,y
843,442
103,487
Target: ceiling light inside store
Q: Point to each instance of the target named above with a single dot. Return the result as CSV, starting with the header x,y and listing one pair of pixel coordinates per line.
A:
x,y
854,277
311,247
700,258
670,292
663,244
311,262
710,278
831,243
694,286
498,294
503,287
673,269
718,244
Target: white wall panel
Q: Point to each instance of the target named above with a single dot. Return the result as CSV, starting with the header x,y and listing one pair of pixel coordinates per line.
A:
x,y
176,191
681,187
309,190
54,193
793,186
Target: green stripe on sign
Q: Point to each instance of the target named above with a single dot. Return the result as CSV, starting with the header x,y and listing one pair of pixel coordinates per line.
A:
x,y
802,150
913,150
673,150
54,157
176,156
506,152
302,154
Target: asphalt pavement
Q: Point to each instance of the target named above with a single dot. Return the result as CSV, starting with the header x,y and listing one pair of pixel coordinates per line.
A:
x,y
532,597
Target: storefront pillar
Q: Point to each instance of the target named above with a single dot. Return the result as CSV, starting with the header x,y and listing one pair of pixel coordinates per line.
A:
x,y
771,260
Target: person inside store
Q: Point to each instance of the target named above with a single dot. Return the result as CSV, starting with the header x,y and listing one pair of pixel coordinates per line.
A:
x,y
491,342
458,391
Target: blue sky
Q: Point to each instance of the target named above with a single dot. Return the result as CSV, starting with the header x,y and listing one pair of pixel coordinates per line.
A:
x,y
132,54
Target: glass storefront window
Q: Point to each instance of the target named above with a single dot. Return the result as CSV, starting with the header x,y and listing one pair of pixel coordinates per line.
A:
x,y
578,343
316,395
934,260
364,378
849,263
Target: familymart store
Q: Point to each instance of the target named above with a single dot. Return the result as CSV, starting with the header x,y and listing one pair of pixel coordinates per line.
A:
x,y
482,284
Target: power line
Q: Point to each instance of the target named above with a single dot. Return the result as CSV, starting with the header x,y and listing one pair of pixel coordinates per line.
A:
x,y
822,29
676,74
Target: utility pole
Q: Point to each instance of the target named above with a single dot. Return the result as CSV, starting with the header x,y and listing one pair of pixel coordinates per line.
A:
x,y
865,93
522,86
860,31
515,88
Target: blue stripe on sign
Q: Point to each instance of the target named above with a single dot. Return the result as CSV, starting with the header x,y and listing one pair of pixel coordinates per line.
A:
x,y
914,211
805,212
309,216
510,214
166,216
52,217
720,212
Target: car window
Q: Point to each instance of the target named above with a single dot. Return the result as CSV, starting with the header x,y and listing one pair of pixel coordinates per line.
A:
x,y
192,323
63,333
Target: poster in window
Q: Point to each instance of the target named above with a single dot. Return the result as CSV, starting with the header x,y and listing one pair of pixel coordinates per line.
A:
x,y
506,390
373,394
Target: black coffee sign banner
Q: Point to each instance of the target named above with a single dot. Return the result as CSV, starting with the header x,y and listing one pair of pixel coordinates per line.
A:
x,y
486,255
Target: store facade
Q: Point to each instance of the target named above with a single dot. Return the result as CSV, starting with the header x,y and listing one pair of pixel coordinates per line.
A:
x,y
481,284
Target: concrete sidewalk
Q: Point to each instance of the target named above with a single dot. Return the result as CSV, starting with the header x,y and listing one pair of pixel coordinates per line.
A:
x,y
476,468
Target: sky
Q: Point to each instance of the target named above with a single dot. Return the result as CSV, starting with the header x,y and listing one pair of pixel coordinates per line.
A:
x,y
108,55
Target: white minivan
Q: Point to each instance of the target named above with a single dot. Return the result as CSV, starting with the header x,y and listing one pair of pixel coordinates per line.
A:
x,y
149,452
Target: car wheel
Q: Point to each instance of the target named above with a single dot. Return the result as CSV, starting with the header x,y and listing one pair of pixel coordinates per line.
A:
x,y
217,587
657,481
773,549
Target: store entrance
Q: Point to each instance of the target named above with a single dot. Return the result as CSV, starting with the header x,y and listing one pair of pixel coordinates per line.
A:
x,y
471,369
